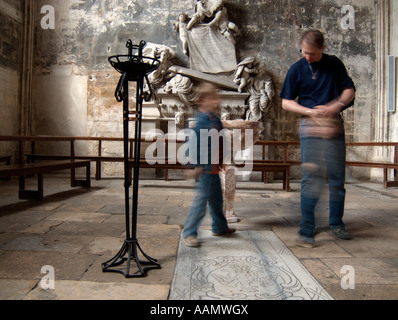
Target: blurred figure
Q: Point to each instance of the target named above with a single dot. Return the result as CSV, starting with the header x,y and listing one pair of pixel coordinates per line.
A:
x,y
207,163
324,89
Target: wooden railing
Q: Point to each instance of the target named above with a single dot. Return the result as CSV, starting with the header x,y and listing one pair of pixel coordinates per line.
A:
x,y
283,155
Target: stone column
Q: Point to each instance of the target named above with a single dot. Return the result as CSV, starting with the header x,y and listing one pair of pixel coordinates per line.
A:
x,y
229,179
229,176
381,131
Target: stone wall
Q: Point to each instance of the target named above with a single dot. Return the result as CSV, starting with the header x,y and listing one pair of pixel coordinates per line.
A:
x,y
11,31
394,51
74,83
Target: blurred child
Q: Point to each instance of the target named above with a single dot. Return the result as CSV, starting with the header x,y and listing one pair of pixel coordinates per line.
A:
x,y
207,167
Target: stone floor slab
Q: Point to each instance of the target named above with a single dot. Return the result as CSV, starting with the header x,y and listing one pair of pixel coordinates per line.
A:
x,y
27,265
15,289
47,243
84,290
326,245
368,271
80,216
162,276
90,228
248,265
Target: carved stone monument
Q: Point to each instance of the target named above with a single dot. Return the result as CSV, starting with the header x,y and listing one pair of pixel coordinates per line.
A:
x,y
210,38
246,88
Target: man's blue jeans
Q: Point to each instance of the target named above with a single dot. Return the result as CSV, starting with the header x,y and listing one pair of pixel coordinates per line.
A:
x,y
322,158
208,191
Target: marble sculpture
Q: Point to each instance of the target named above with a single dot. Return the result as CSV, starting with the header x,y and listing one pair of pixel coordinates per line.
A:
x,y
209,39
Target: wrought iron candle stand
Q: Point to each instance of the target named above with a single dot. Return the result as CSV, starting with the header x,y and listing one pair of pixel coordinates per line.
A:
x,y
136,68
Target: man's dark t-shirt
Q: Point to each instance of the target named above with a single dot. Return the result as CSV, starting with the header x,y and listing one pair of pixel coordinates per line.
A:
x,y
331,80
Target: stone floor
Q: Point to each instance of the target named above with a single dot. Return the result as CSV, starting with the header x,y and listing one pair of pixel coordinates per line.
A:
x,y
75,230
247,265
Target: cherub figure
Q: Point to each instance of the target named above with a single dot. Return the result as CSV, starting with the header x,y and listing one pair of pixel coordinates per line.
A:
x,y
224,25
244,72
162,74
181,27
201,12
262,91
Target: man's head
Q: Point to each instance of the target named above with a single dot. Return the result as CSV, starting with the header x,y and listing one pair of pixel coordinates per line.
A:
x,y
209,99
312,45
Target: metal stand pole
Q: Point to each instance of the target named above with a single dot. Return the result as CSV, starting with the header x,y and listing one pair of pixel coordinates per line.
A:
x,y
131,247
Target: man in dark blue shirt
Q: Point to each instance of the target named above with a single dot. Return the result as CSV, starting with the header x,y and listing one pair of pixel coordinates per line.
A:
x,y
324,90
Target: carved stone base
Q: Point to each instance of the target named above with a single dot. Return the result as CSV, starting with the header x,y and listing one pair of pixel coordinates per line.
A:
x,y
229,179
229,176
233,106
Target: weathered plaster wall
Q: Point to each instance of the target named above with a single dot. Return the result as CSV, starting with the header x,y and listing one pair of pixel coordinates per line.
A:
x,y
11,25
394,51
60,107
87,32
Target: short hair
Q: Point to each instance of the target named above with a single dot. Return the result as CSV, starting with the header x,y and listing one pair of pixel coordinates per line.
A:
x,y
206,89
314,38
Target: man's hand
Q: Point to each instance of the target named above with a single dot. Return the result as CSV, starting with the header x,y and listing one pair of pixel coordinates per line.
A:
x,y
328,111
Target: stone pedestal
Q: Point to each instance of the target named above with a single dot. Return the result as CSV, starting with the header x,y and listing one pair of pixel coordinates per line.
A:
x,y
229,176
233,107
175,113
229,179
173,108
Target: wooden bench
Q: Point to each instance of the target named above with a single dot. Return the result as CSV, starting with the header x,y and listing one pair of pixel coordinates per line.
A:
x,y
263,166
270,157
39,169
99,157
270,166
382,165
386,166
7,160
31,158
257,165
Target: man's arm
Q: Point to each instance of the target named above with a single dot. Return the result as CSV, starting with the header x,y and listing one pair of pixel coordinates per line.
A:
x,y
329,110
334,107
295,107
